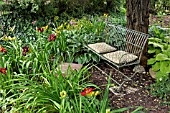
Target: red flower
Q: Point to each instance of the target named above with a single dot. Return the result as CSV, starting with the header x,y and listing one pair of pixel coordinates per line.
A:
x,y
52,37
25,48
4,50
3,70
40,29
87,91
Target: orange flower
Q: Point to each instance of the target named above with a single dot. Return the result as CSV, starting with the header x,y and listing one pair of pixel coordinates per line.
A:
x,y
3,70
87,91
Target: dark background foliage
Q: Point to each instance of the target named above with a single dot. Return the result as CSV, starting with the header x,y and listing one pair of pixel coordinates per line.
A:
x,y
75,8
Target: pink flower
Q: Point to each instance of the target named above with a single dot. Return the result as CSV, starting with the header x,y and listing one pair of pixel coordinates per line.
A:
x,y
34,22
73,23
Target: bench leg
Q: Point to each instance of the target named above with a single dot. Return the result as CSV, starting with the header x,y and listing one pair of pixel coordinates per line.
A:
x,y
106,74
115,89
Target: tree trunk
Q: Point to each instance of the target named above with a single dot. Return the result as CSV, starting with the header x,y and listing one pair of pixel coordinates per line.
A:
x,y
138,19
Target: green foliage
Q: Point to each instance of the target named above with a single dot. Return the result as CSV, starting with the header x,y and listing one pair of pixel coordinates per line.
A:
x,y
65,8
161,89
160,6
159,50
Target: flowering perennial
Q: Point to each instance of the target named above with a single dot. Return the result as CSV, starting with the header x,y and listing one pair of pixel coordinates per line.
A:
x,y
2,49
7,38
24,50
34,22
72,22
40,29
63,94
87,91
52,37
3,70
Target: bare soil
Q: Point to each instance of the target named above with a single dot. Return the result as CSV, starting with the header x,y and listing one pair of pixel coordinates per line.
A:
x,y
134,93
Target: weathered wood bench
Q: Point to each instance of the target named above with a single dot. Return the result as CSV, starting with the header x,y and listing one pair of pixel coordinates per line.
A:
x,y
120,47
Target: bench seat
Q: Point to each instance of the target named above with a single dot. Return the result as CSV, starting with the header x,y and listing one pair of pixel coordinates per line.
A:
x,y
120,57
101,47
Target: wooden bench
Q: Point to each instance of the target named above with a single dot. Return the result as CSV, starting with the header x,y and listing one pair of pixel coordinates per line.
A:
x,y
120,47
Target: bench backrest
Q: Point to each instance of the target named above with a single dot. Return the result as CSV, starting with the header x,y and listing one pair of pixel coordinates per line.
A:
x,y
126,39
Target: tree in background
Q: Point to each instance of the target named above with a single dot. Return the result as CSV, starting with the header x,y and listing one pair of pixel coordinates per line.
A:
x,y
138,19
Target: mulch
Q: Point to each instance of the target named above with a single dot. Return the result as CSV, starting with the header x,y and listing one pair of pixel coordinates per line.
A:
x,y
133,93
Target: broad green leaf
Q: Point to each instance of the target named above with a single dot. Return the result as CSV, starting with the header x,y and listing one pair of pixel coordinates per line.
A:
x,y
167,39
157,51
167,52
156,66
161,35
161,57
164,67
156,45
151,51
153,39
151,61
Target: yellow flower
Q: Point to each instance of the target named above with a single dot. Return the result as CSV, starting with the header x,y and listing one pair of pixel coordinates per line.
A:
x,y
29,50
60,27
65,23
107,110
12,38
97,93
45,27
68,27
105,15
90,94
63,94
6,38
57,31
12,28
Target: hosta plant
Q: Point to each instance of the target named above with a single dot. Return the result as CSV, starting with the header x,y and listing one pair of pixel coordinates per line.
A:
x,y
159,50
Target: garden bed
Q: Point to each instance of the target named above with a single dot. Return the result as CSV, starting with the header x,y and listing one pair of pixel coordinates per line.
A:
x,y
133,94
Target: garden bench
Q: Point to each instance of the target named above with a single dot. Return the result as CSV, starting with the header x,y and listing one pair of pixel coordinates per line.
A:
x,y
119,47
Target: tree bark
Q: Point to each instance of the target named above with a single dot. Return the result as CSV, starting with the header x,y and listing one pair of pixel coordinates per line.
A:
x,y
138,19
